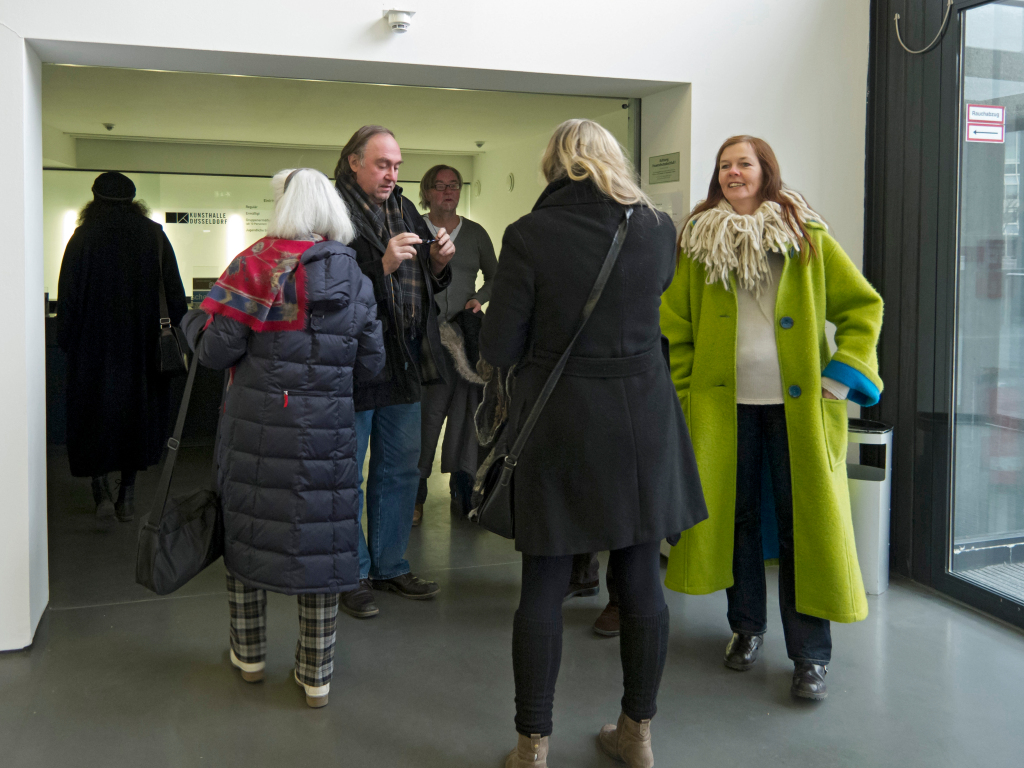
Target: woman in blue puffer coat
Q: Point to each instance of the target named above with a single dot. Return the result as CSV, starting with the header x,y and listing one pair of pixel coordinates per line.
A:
x,y
295,321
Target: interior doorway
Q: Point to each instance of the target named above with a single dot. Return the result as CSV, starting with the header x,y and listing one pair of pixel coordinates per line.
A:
x,y
200,149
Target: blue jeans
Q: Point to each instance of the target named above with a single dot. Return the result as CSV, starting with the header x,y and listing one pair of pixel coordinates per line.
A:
x,y
761,433
394,432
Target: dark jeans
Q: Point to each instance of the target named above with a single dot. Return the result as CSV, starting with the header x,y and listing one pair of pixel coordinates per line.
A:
x,y
537,633
586,569
762,437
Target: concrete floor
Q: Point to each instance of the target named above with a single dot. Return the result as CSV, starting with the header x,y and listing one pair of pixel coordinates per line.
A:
x,y
117,677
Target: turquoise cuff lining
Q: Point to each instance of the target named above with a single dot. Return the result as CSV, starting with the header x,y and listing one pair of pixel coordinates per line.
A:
x,y
862,390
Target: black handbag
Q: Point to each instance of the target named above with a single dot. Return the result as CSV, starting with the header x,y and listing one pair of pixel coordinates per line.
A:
x,y
172,347
495,512
180,537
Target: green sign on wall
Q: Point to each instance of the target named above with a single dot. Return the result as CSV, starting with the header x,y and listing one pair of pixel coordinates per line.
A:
x,y
663,168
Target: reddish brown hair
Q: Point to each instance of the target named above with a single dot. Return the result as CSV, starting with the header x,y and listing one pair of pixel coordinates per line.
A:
x,y
771,185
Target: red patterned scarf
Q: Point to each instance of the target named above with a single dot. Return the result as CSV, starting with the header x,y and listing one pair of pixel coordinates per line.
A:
x,y
264,287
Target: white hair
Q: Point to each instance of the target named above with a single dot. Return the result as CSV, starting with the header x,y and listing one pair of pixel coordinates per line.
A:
x,y
306,203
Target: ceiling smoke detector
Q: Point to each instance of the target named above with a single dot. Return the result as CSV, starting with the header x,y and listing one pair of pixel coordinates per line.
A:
x,y
399,21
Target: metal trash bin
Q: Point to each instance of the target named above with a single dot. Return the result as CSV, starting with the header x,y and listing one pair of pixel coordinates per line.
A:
x,y
870,494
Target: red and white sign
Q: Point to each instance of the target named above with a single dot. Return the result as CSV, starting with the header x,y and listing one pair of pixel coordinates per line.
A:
x,y
986,123
986,132
986,113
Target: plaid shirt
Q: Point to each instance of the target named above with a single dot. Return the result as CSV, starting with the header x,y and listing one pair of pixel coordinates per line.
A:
x,y
408,289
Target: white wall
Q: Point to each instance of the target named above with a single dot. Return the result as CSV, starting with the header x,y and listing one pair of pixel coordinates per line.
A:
x,y
791,71
24,589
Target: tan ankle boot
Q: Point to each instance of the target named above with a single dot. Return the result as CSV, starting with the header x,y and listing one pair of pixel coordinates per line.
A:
x,y
628,741
530,752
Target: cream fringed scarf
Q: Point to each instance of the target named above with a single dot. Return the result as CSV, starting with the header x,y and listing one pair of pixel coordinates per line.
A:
x,y
725,241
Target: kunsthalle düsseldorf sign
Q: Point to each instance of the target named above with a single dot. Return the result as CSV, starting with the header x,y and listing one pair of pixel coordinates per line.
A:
x,y
196,217
986,123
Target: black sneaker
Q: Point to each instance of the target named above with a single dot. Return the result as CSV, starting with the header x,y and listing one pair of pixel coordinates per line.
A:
x,y
409,586
359,601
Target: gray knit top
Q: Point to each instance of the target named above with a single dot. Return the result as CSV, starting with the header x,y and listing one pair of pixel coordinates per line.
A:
x,y
474,253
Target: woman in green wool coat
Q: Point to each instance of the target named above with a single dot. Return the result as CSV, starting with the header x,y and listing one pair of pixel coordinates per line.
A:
x,y
763,395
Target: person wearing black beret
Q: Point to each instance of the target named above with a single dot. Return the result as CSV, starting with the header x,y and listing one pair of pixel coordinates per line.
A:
x,y
108,320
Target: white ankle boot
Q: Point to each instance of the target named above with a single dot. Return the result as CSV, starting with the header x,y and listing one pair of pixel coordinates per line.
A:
x,y
316,695
252,672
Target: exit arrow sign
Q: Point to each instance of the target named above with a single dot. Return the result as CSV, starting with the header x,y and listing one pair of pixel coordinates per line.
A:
x,y
986,132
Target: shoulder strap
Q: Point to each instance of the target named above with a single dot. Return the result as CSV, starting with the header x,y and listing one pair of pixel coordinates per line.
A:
x,y
602,278
173,443
165,316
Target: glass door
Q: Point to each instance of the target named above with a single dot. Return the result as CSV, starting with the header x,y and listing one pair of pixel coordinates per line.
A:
x,y
986,541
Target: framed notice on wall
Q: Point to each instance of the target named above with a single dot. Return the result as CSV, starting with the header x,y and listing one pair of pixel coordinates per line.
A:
x,y
663,168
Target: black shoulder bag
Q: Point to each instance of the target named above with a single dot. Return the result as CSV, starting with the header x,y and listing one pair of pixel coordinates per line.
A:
x,y
180,537
496,511
173,348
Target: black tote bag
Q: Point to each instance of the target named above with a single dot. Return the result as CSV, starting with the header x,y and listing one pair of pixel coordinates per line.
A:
x,y
172,349
496,512
183,535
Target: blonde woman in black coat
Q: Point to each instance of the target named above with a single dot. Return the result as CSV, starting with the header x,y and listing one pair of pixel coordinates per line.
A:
x,y
609,465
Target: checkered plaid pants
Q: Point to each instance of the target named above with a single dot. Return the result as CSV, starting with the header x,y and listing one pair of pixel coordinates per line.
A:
x,y
318,625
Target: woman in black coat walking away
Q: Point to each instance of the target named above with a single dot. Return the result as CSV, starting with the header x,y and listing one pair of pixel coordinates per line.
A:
x,y
609,465
295,320
108,321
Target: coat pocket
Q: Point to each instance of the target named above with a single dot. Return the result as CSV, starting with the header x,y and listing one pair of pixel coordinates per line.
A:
x,y
836,425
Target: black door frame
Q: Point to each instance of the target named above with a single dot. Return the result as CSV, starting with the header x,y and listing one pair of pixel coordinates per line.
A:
x,y
913,215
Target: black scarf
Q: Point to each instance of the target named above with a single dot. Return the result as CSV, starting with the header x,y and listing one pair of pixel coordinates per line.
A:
x,y
380,223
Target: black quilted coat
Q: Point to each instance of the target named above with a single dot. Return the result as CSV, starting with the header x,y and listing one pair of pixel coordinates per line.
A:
x,y
286,446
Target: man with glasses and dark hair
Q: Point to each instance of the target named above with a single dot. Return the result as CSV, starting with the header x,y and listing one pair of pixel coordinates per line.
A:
x,y
460,307
407,263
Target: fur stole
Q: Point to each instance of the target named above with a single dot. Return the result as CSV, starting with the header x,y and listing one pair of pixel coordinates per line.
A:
x,y
454,342
728,242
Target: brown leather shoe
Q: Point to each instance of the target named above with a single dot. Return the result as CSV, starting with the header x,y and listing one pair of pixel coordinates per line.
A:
x,y
408,586
809,681
607,624
742,650
359,602
530,752
628,741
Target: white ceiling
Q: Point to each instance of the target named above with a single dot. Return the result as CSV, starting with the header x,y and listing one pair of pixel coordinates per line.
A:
x,y
225,108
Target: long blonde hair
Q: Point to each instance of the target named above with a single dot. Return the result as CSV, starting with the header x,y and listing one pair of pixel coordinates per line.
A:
x,y
582,149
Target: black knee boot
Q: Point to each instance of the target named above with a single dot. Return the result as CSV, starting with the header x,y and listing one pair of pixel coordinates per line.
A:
x,y
643,646
101,497
536,657
125,506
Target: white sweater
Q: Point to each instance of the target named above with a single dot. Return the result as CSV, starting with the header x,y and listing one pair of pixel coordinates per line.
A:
x,y
758,375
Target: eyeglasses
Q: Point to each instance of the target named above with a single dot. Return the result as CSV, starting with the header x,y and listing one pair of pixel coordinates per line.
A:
x,y
440,186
